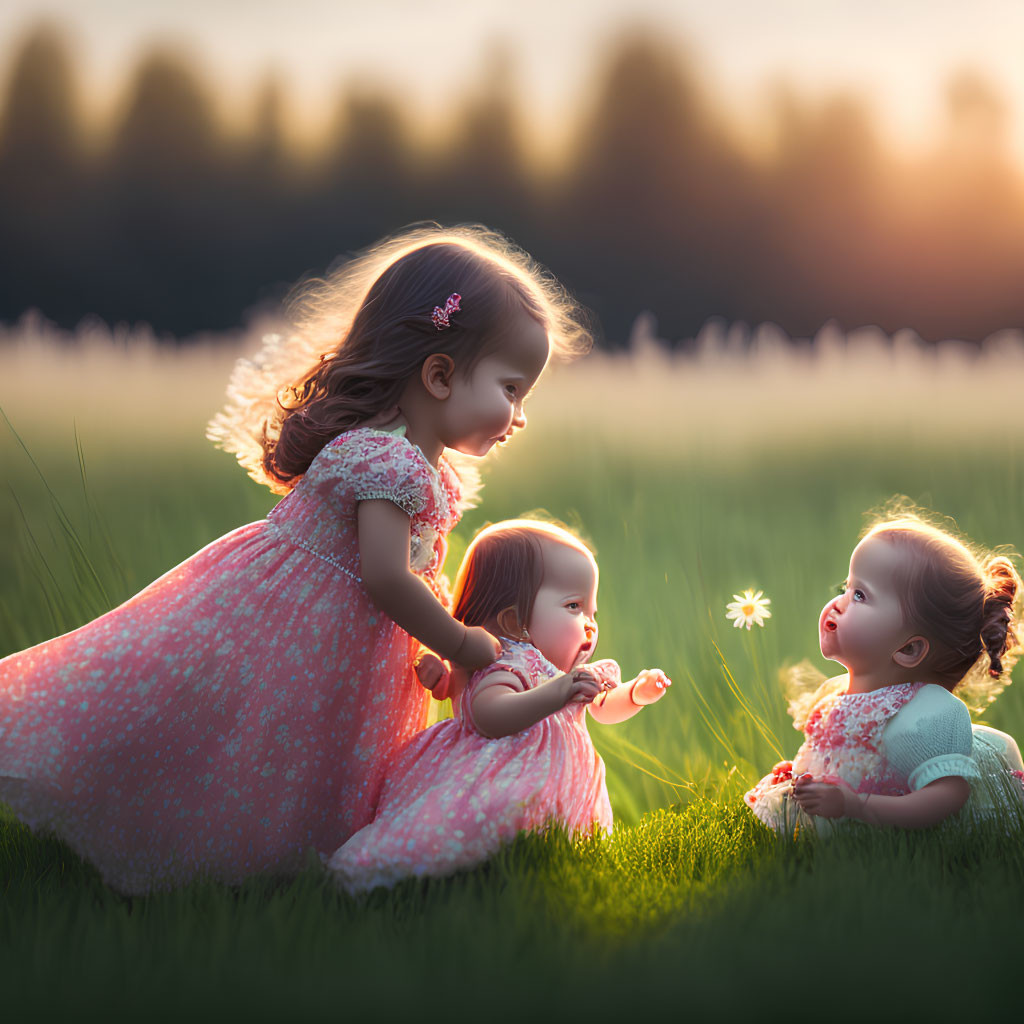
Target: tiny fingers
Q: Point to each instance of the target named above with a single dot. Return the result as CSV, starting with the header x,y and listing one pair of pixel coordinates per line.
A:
x,y
657,676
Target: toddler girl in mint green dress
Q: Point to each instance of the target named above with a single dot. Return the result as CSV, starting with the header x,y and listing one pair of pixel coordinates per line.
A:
x,y
927,628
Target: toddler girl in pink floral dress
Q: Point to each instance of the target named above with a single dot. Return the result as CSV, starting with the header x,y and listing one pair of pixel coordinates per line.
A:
x,y
241,709
517,754
889,742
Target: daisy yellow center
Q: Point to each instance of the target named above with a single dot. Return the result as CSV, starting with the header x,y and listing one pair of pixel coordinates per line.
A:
x,y
748,608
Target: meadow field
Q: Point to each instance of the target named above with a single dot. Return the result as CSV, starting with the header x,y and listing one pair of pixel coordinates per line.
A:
x,y
745,462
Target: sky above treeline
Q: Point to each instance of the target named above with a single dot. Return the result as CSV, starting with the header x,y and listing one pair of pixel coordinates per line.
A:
x,y
898,55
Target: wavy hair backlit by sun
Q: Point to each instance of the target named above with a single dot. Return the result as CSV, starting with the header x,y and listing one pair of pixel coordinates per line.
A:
x,y
358,335
504,566
965,599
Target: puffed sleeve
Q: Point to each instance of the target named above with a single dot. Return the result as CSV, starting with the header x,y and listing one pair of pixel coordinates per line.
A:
x,y
930,738
501,673
365,465
492,676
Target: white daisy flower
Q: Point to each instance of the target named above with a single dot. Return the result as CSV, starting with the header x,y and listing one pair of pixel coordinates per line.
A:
x,y
748,608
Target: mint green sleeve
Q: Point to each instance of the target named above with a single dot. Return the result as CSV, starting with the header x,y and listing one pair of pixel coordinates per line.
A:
x,y
930,738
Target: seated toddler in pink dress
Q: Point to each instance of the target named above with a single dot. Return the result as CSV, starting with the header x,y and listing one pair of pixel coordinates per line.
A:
x,y
516,755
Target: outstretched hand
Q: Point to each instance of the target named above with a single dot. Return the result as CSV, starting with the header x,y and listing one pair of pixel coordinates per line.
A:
x,y
649,686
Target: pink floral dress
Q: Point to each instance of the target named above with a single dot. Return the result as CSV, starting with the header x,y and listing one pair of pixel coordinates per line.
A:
x,y
242,708
453,795
892,741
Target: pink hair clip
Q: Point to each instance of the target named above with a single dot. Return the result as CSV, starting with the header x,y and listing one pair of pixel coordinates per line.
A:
x,y
440,316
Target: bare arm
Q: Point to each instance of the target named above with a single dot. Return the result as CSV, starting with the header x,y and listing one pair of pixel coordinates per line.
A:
x,y
501,710
402,596
924,807
623,702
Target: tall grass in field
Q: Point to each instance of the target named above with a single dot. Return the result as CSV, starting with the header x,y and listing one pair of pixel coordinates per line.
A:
x,y
744,462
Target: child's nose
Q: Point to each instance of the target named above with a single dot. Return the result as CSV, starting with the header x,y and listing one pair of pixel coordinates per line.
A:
x,y
519,418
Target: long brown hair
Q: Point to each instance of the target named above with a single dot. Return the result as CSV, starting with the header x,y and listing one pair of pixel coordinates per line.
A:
x,y
364,331
964,600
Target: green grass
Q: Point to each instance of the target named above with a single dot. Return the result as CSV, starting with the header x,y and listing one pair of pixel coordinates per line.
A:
x,y
696,911
691,908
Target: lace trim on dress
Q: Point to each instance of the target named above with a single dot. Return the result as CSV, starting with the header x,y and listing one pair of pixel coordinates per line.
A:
x,y
410,504
326,558
457,474
839,718
887,700
941,767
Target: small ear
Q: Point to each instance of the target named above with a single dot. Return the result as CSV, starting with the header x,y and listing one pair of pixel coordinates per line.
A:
x,y
436,374
912,653
508,622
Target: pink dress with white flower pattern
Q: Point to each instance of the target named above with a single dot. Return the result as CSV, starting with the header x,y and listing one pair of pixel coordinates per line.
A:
x,y
453,796
242,708
892,741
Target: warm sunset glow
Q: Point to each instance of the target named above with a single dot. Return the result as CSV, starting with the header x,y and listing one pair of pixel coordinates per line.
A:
x,y
897,56
792,162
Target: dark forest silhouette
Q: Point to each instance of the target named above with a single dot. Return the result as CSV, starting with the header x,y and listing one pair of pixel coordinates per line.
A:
x,y
174,223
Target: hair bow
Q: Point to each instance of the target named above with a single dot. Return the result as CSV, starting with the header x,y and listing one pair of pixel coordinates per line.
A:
x,y
440,316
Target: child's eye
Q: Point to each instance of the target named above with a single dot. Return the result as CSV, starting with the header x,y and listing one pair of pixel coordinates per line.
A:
x,y
858,595
511,390
573,606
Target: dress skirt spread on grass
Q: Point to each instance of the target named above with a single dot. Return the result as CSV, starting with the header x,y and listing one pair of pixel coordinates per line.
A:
x,y
240,709
891,742
454,796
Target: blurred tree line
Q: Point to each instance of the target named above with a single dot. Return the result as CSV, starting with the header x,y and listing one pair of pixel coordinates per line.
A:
x,y
175,222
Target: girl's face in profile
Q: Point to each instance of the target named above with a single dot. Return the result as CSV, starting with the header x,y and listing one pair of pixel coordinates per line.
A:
x,y
863,627
562,623
486,406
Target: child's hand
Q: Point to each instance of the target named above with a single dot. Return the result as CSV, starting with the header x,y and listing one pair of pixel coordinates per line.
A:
x,y
452,685
649,686
580,686
432,673
435,675
478,648
825,799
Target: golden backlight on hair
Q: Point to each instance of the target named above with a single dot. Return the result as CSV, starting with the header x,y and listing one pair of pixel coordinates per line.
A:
x,y
338,320
964,599
503,568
